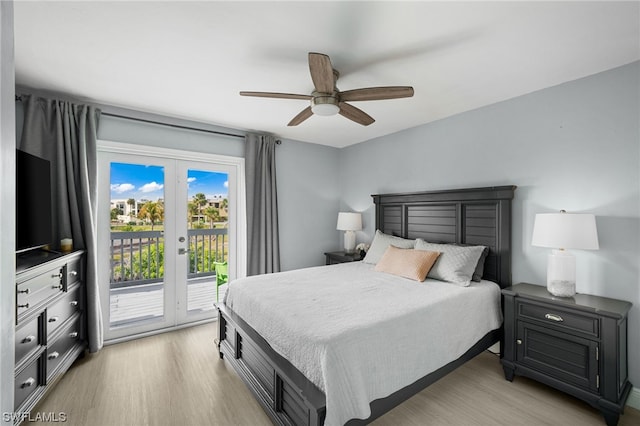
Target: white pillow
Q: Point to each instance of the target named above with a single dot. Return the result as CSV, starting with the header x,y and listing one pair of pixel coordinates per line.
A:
x,y
455,264
380,243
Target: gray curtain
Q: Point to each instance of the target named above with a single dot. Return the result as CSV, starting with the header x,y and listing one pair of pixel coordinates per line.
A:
x,y
263,252
65,134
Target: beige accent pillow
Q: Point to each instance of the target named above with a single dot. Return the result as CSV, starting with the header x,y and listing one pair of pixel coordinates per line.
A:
x,y
407,263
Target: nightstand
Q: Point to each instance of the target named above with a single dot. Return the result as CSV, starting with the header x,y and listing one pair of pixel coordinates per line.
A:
x,y
334,257
575,344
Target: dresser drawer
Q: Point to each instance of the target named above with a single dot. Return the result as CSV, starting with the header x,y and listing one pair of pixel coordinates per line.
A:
x,y
57,350
36,291
63,309
558,318
74,271
29,337
27,382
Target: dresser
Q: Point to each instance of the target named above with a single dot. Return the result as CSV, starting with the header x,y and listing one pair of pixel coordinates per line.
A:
x,y
50,323
575,344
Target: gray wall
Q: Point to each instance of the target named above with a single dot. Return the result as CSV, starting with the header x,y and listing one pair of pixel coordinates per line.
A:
x,y
308,201
575,147
307,177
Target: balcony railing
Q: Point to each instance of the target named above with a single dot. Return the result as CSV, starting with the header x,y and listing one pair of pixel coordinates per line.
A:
x,y
137,257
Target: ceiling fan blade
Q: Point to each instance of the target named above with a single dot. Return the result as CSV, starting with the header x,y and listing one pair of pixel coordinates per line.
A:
x,y
377,93
303,115
355,114
321,72
277,95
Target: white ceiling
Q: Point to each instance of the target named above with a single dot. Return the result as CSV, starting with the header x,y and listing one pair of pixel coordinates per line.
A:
x,y
190,59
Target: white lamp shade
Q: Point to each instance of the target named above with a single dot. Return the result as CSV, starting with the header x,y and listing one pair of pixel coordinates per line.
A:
x,y
565,231
349,221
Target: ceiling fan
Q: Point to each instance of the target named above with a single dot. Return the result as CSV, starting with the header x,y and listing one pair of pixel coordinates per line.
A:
x,y
326,99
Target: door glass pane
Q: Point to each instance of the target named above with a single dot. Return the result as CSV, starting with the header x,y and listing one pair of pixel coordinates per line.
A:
x,y
136,288
207,230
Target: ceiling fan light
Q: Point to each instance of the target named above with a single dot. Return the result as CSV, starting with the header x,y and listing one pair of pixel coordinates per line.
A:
x,y
325,109
324,104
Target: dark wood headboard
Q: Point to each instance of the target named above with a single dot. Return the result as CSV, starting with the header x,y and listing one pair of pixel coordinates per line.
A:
x,y
479,216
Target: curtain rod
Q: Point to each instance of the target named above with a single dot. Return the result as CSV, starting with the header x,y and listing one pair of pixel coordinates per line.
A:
x,y
177,126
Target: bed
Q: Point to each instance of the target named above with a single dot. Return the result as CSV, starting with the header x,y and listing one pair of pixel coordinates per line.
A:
x,y
289,377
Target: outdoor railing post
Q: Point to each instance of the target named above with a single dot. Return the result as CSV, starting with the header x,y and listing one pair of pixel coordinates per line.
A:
x,y
205,244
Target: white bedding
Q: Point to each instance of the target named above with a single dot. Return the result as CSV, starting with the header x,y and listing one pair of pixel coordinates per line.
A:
x,y
360,335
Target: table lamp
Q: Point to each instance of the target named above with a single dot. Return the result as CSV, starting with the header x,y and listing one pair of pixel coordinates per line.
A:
x,y
349,223
561,231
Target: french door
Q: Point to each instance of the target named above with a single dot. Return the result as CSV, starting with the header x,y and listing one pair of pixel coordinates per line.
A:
x,y
171,235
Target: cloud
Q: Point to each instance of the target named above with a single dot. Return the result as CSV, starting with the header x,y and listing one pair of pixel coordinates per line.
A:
x,y
151,187
226,183
191,179
119,188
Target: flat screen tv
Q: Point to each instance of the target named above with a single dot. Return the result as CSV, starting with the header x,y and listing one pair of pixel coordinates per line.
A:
x,y
33,202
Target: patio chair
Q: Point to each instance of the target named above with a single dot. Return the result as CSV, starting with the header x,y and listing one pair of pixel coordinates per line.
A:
x,y
222,276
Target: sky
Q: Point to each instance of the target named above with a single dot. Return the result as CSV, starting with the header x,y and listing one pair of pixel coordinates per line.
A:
x,y
140,181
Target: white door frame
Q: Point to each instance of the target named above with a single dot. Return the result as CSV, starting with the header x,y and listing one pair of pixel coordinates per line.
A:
x,y
237,214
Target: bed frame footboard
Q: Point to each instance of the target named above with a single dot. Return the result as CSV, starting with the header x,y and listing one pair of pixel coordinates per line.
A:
x,y
286,395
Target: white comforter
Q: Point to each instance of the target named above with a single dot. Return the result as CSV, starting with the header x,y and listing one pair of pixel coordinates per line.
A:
x,y
359,334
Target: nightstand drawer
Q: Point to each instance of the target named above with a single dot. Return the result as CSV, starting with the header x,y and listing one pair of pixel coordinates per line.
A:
x,y
335,257
559,319
567,358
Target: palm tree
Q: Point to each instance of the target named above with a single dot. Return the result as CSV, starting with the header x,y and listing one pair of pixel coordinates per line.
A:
x,y
114,213
192,208
153,212
212,214
200,200
224,206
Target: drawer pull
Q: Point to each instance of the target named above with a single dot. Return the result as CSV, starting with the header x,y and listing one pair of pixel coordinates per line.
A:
x,y
29,339
73,334
58,275
27,291
519,341
74,303
26,306
73,273
57,287
53,355
54,319
553,317
28,383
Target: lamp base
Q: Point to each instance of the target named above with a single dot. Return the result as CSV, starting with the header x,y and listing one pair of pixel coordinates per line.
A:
x,y
561,273
561,288
349,242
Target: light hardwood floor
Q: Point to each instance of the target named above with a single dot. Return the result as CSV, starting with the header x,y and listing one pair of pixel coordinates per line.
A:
x,y
177,378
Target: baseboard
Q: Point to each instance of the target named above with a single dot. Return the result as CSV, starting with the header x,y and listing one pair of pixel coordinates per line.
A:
x,y
634,399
